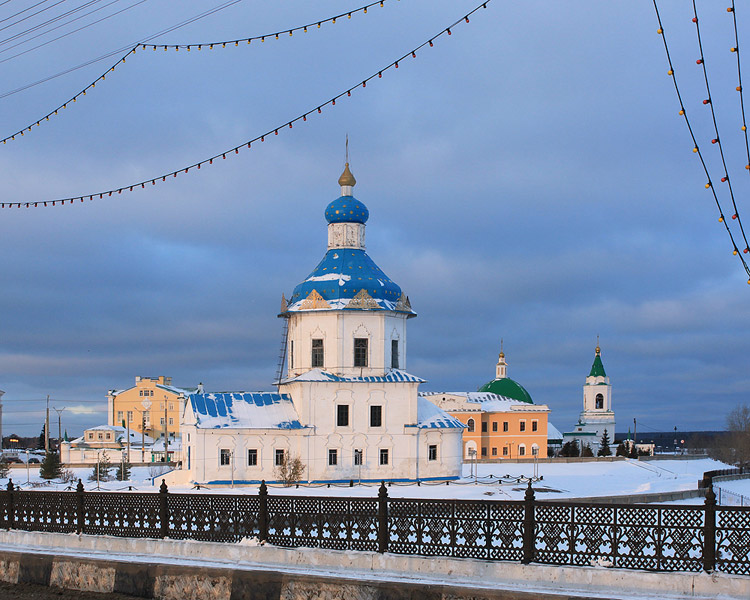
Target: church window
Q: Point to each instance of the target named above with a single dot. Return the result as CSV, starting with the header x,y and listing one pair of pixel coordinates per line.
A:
x,y
534,425
357,457
484,451
599,401
484,426
291,354
494,425
333,457
432,452
494,452
360,352
522,426
317,353
383,456
521,450
342,415
505,425
376,416
470,425
225,457
279,457
394,354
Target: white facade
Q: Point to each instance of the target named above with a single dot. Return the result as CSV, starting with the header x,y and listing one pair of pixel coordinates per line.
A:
x,y
345,407
597,414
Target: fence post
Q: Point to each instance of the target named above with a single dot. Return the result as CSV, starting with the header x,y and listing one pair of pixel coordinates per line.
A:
x,y
263,512
11,510
382,518
163,509
709,532
528,526
80,511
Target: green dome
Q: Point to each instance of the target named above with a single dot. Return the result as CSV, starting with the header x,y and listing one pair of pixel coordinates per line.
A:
x,y
508,388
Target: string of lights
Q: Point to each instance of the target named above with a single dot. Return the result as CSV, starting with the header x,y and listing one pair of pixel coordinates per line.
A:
x,y
717,140
696,147
209,45
260,138
739,85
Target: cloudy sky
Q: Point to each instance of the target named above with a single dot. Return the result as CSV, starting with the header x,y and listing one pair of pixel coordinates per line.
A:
x,y
528,178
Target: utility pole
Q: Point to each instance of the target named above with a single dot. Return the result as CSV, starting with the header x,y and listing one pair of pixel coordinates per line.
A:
x,y
635,439
166,434
59,426
46,428
143,437
1,422
124,421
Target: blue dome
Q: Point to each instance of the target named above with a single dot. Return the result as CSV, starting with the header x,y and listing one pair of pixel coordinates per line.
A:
x,y
346,209
340,276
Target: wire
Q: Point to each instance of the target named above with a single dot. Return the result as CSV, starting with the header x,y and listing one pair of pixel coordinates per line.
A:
x,y
44,23
50,30
25,10
739,86
248,144
717,139
696,147
143,45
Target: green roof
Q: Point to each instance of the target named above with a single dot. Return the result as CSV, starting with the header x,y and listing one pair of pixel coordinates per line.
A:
x,y
508,388
597,369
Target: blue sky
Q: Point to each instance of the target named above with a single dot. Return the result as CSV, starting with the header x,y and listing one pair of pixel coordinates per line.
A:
x,y
527,178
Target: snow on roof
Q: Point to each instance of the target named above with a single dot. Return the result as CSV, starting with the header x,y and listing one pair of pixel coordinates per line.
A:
x,y
429,416
394,376
553,433
177,390
243,410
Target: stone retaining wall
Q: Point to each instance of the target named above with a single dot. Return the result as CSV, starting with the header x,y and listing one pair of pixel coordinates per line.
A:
x,y
190,570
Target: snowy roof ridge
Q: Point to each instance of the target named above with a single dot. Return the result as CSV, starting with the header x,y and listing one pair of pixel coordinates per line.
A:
x,y
393,376
430,416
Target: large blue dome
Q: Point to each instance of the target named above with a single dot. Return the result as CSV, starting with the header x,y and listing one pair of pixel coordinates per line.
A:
x,y
341,275
347,209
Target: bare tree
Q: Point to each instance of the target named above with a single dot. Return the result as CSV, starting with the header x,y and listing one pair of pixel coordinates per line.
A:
x,y
290,470
738,424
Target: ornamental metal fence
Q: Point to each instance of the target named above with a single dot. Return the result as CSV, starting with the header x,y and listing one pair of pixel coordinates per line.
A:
x,y
633,536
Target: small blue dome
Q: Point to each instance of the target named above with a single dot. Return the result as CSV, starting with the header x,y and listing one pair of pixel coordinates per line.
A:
x,y
346,209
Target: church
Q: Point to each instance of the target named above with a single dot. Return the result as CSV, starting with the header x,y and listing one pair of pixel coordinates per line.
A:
x,y
346,408
597,414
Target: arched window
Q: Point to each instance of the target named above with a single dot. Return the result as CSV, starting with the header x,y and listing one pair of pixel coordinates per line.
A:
x,y
470,424
599,401
535,450
521,450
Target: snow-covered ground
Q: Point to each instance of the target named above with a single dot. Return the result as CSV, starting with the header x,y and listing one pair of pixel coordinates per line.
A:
x,y
560,480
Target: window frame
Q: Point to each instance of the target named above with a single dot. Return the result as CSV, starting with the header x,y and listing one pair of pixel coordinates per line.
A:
x,y
317,353
343,417
494,426
333,457
225,457
358,457
522,426
471,425
395,355
376,409
383,457
361,352
252,457
279,453
432,452
534,426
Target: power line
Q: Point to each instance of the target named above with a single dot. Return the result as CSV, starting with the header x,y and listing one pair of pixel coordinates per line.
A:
x,y
248,144
210,46
696,147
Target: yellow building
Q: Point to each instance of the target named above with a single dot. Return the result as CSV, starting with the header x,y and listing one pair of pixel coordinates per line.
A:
x,y
153,406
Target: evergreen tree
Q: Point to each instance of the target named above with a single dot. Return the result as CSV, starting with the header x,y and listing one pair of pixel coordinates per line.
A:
x,y
586,451
4,468
621,450
42,437
123,470
50,467
102,468
632,451
604,449
570,449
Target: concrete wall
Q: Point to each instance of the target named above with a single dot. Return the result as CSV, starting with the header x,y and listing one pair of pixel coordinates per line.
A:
x,y
203,570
